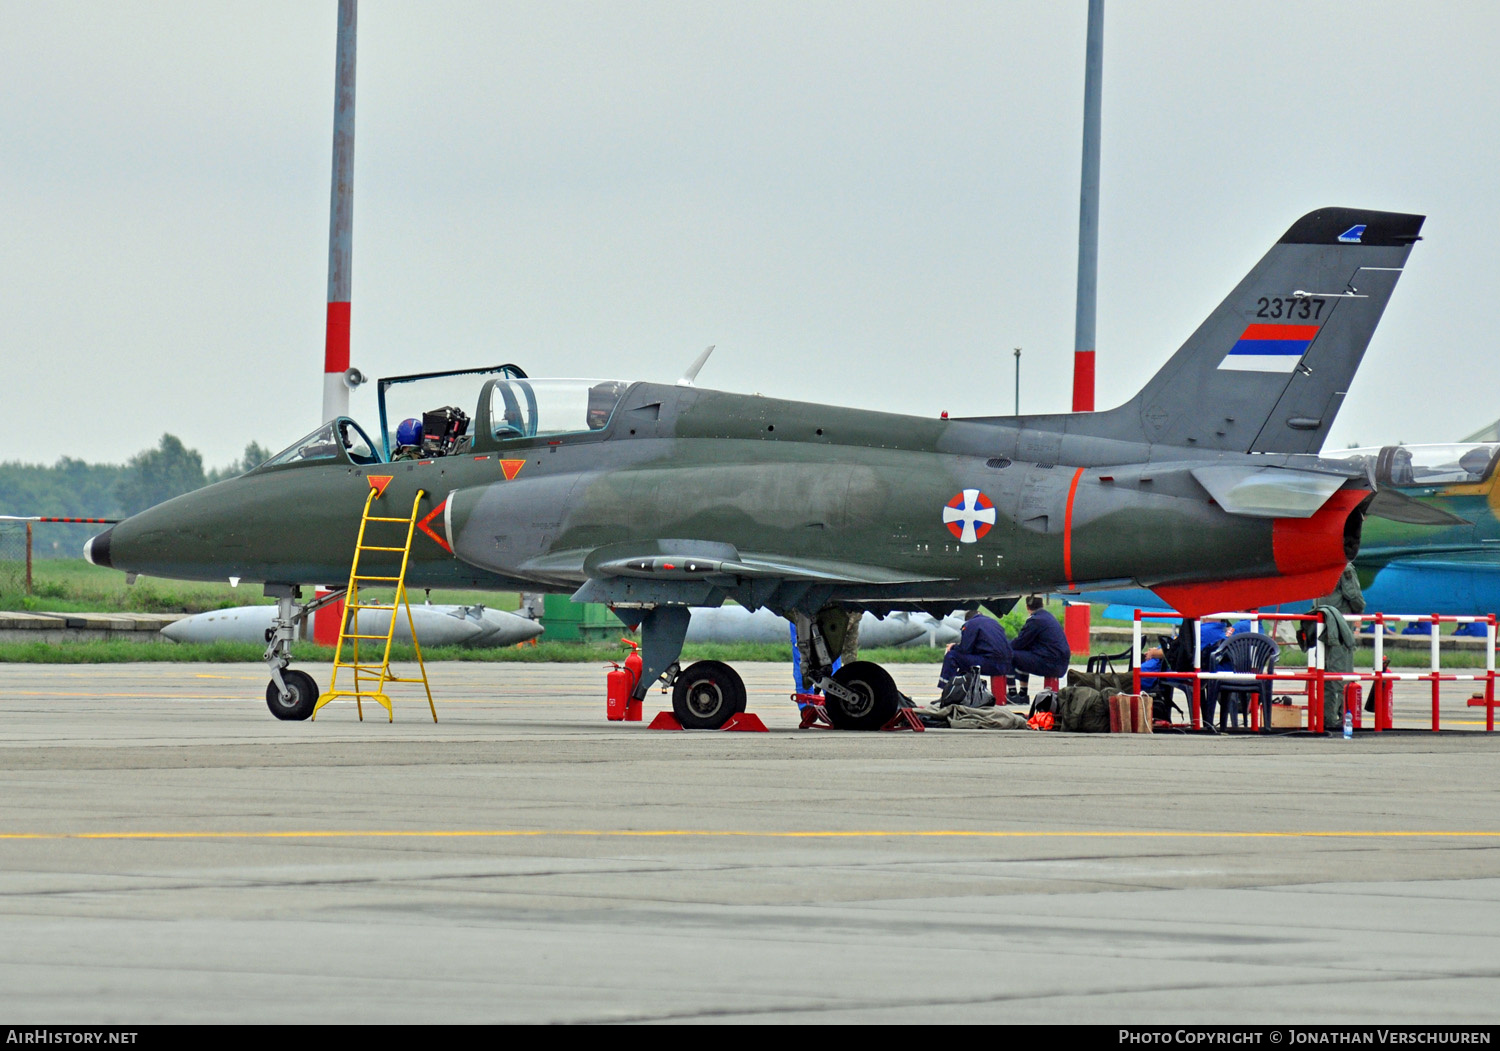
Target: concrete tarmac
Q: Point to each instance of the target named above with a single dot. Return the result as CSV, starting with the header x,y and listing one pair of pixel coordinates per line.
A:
x,y
169,852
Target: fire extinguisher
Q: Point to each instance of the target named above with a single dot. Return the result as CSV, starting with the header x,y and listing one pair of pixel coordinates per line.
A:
x,y
621,683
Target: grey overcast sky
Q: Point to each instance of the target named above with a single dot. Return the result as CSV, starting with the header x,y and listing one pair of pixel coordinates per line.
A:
x,y
865,203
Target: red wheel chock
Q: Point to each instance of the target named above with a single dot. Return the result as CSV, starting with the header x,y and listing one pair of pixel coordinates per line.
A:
x,y
815,715
742,721
905,719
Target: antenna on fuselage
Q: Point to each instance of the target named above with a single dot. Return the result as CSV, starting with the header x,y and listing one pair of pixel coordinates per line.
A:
x,y
692,372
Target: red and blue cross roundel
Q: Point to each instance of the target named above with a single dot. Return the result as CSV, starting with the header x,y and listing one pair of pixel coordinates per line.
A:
x,y
969,515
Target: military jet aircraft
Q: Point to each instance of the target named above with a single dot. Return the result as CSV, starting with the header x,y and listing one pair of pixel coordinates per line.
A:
x,y
654,498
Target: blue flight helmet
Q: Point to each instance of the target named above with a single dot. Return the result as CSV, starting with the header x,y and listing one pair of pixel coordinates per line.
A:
x,y
410,432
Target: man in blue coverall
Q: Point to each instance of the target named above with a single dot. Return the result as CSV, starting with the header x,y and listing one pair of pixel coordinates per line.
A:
x,y
1041,646
982,643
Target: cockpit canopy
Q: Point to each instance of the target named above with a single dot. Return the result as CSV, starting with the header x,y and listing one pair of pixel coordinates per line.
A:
x,y
507,406
1427,465
528,408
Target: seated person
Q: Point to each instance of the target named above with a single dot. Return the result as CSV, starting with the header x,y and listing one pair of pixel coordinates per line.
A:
x,y
1148,665
408,440
1474,629
1418,627
1211,634
983,644
1041,646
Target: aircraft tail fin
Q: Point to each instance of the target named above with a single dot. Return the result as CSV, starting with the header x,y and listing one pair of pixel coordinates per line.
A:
x,y
1269,368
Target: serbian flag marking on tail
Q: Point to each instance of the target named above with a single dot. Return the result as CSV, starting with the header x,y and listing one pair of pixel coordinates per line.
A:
x,y
969,515
1269,348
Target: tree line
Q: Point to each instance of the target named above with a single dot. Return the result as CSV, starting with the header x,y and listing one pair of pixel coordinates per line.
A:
x,y
77,489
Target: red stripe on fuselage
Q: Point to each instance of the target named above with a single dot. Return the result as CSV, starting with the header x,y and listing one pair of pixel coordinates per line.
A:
x,y
1068,528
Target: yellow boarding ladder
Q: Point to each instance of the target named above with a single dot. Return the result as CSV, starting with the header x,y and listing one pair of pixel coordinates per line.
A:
x,y
349,629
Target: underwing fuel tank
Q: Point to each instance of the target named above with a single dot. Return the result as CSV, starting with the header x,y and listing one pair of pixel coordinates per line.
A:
x,y
732,624
440,625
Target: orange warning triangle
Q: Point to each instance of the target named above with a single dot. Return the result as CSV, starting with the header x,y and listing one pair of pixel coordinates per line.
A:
x,y
378,482
511,468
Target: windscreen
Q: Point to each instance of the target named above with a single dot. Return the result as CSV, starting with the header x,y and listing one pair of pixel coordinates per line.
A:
x,y
338,439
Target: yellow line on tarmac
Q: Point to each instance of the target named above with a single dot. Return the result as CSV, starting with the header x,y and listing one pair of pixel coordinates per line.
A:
x,y
502,833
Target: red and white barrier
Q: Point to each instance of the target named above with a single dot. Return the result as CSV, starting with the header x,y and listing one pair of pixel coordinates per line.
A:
x,y
1318,679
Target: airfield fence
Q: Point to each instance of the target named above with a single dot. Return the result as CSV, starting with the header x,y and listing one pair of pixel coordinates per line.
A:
x,y
1317,678
15,558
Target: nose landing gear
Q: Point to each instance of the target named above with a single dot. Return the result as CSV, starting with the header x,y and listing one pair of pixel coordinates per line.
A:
x,y
290,694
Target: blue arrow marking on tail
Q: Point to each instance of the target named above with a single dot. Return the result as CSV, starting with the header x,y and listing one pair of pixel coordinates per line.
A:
x,y
1352,235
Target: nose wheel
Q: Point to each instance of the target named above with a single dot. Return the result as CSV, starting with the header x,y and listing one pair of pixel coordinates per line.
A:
x,y
301,697
706,694
290,694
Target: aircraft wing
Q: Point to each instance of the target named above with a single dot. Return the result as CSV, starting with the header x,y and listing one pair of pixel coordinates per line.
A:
x,y
702,572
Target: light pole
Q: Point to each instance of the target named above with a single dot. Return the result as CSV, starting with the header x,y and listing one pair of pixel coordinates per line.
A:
x,y
1018,381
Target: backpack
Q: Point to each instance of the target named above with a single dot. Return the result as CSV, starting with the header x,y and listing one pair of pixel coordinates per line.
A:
x,y
1044,702
968,690
1162,705
1083,709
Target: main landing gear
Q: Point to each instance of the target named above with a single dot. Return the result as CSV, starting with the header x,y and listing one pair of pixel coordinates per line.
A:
x,y
861,695
290,694
706,694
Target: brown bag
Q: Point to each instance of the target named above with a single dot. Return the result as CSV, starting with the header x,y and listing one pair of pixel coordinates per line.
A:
x,y
1130,713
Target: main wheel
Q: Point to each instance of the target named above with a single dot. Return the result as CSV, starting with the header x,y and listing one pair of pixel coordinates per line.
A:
x,y
302,699
876,697
706,694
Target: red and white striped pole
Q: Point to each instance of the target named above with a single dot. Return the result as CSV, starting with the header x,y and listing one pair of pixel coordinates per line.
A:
x,y
340,222
1088,214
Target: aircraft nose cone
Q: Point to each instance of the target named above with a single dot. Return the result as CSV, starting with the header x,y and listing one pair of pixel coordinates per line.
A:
x,y
96,549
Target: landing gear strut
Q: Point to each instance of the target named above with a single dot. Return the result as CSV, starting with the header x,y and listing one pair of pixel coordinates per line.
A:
x,y
290,694
861,695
